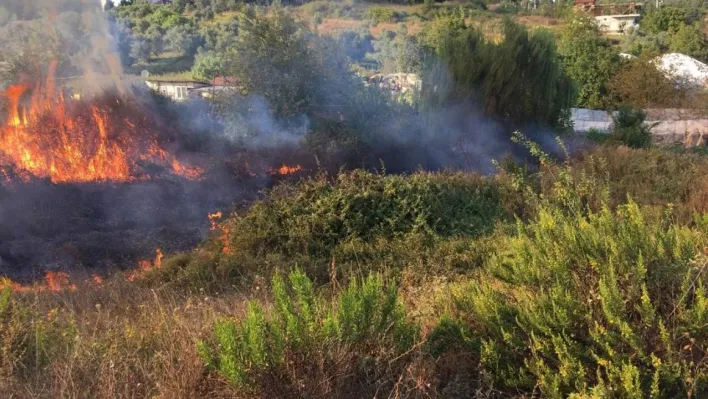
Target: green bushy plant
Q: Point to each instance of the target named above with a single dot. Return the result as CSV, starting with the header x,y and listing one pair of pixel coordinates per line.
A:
x,y
301,326
628,128
359,217
611,301
378,15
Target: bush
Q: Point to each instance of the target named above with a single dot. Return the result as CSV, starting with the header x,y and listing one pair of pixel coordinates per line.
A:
x,y
360,217
367,319
628,128
379,15
591,304
316,216
638,83
590,61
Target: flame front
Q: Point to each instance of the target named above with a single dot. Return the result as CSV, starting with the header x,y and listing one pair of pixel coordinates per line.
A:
x,y
287,170
47,137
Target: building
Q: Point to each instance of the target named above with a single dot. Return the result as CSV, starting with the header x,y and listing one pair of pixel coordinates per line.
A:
x,y
614,18
618,23
183,90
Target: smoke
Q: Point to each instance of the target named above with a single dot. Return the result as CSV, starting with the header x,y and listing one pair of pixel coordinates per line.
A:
x,y
251,123
74,33
345,125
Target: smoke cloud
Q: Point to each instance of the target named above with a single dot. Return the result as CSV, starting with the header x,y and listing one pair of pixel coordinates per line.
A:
x,y
107,225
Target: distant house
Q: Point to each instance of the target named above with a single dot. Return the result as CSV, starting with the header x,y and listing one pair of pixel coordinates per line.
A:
x,y
183,90
619,23
611,17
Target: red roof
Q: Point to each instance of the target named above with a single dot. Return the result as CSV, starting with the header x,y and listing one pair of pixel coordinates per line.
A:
x,y
224,81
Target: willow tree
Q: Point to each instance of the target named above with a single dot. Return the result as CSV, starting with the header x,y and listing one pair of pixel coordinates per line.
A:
x,y
518,80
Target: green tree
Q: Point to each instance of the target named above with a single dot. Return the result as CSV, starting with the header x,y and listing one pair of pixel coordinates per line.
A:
x,y
689,40
274,56
667,19
590,61
518,80
208,65
639,42
141,48
638,83
409,55
183,38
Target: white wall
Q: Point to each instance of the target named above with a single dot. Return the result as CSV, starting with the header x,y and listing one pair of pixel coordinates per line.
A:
x,y
667,126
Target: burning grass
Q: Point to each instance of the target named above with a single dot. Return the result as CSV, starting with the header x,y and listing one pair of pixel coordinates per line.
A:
x,y
110,138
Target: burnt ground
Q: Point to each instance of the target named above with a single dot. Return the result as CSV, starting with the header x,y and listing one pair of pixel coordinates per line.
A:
x,y
102,226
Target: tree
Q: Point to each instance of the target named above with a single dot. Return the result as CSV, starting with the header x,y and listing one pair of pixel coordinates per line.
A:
x,y
518,80
141,48
590,61
356,44
409,55
385,50
208,65
274,56
639,42
183,38
667,19
639,84
524,81
689,40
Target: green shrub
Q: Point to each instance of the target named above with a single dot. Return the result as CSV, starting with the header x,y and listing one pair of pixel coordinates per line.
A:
x,y
315,216
588,305
365,317
628,128
359,220
378,15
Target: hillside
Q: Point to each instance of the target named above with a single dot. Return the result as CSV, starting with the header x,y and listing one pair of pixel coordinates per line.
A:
x,y
315,232
416,285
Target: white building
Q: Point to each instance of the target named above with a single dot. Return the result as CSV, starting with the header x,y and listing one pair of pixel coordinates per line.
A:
x,y
620,23
182,90
175,89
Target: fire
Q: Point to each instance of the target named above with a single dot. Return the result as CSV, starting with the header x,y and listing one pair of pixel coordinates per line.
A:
x,y
58,281
288,170
53,282
224,231
147,265
214,219
191,172
46,136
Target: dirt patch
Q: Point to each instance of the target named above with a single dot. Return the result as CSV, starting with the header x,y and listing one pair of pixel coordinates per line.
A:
x,y
538,20
331,26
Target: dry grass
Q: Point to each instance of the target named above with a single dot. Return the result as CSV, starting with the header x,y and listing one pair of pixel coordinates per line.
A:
x,y
125,341
332,26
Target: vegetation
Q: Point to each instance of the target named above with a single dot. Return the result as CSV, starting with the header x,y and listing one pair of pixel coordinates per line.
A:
x,y
580,275
585,293
366,315
517,80
590,62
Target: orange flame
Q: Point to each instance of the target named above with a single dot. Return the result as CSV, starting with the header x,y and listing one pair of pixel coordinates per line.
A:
x,y
191,172
53,282
214,219
224,231
147,265
46,137
287,170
